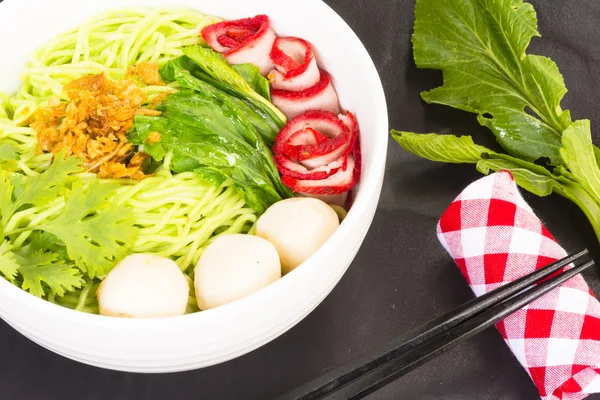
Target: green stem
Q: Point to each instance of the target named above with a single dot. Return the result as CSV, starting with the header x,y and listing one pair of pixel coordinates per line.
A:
x,y
586,202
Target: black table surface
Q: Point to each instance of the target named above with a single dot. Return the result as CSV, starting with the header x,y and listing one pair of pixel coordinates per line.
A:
x,y
401,277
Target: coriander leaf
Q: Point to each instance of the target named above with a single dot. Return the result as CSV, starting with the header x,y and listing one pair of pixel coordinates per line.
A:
x,y
480,47
95,232
41,242
9,155
39,189
251,74
443,148
8,152
579,156
6,190
45,268
8,262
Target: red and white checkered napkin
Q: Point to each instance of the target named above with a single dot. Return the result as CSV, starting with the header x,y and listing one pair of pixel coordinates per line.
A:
x,y
494,237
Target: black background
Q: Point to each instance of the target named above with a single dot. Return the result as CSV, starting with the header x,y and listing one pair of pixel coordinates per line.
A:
x,y
401,277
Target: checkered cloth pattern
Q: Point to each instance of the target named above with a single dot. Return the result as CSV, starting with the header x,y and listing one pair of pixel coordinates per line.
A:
x,y
495,238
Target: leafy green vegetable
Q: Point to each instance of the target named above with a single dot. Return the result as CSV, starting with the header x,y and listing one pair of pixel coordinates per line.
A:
x,y
480,47
8,262
251,74
95,233
206,134
188,75
579,157
443,148
541,182
214,65
45,270
531,177
215,127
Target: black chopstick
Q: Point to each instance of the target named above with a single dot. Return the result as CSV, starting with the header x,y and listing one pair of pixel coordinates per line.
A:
x,y
370,371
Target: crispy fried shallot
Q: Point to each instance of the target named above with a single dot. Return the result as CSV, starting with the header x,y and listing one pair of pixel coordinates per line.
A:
x,y
94,122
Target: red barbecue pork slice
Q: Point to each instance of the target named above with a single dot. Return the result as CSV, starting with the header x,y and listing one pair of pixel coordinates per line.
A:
x,y
340,196
342,181
296,66
295,146
315,140
321,96
242,41
318,146
293,169
337,147
326,123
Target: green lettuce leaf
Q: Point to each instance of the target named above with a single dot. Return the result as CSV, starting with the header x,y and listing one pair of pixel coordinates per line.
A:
x,y
531,177
251,74
480,47
96,233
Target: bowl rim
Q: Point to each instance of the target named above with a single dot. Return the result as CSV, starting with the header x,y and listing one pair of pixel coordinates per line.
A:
x,y
369,190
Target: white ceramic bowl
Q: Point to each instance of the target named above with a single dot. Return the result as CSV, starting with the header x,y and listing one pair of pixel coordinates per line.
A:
x,y
214,336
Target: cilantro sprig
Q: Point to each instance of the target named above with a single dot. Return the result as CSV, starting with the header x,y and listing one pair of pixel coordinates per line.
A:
x,y
95,234
60,252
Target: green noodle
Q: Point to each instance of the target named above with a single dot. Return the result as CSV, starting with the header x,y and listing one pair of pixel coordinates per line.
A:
x,y
177,215
110,43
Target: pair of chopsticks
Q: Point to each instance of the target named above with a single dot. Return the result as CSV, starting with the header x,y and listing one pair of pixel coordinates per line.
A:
x,y
369,372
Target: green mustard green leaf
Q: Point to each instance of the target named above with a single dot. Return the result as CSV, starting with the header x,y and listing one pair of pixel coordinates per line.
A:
x,y
8,261
462,150
189,75
531,178
96,233
251,74
206,134
215,66
442,148
541,182
579,156
45,271
480,45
